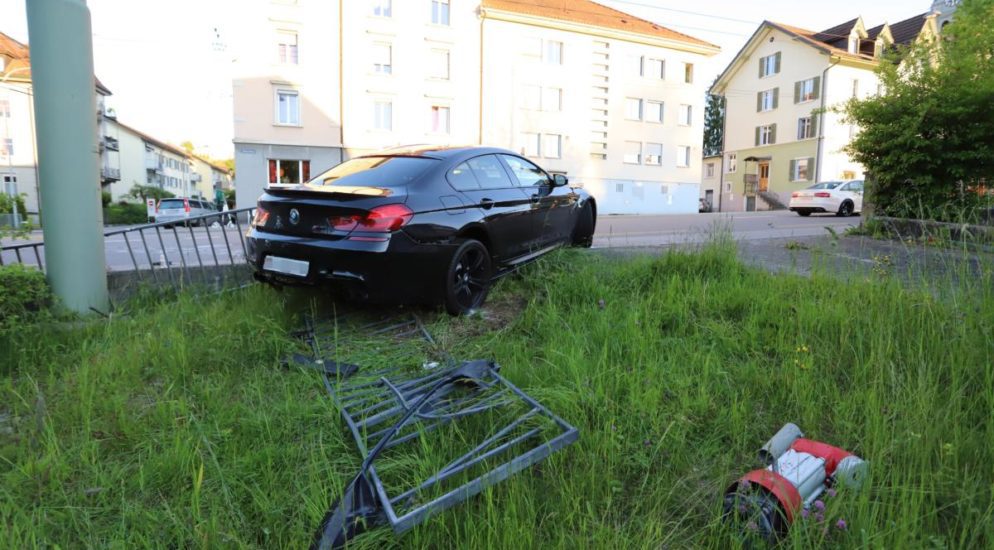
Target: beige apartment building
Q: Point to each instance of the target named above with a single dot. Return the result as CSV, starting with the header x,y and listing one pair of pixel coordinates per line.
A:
x,y
610,100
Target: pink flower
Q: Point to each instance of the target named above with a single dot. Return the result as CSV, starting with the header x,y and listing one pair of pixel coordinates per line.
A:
x,y
819,517
819,505
831,492
841,524
805,513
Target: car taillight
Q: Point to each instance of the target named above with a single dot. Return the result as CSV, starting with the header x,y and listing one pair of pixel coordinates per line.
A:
x,y
382,219
823,195
261,217
157,205
794,195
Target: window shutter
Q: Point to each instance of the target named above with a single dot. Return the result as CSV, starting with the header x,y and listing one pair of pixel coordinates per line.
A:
x,y
773,134
759,102
758,129
272,171
817,93
776,97
777,69
761,65
811,168
793,169
306,171
797,92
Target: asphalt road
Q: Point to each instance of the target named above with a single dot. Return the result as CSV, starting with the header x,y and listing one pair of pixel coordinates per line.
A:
x,y
612,232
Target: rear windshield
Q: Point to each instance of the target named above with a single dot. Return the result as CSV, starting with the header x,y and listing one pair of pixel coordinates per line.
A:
x,y
171,203
826,185
374,172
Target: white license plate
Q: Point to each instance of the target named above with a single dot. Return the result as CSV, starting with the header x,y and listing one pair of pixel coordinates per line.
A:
x,y
286,266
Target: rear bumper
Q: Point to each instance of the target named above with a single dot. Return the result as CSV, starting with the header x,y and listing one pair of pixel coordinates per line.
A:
x,y
399,269
814,205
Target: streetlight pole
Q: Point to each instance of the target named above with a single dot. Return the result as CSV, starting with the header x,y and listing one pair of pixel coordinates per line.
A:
x,y
65,107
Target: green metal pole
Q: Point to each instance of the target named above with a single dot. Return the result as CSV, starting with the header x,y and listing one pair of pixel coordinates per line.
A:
x,y
65,106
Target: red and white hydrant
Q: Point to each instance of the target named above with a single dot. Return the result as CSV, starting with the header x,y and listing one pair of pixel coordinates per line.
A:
x,y
797,472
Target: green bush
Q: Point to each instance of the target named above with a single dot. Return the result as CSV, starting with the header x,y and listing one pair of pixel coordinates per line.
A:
x,y
229,197
125,214
145,192
24,293
7,204
106,198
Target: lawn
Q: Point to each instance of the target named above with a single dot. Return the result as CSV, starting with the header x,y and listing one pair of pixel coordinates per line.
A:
x,y
174,426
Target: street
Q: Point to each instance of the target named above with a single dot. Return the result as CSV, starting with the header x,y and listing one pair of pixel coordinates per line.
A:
x,y
224,247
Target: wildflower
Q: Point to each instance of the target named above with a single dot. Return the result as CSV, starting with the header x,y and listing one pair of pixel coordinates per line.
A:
x,y
752,526
841,524
819,505
831,492
647,442
819,517
947,448
805,513
744,485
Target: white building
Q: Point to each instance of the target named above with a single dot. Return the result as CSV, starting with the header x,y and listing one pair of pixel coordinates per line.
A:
x,y
605,97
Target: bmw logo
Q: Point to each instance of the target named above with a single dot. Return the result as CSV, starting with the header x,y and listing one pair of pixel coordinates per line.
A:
x,y
294,216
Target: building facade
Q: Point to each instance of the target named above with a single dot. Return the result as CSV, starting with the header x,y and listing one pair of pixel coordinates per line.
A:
x,y
606,98
782,131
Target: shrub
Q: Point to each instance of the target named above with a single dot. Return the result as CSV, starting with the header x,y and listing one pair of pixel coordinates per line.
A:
x,y
125,213
24,293
7,204
106,198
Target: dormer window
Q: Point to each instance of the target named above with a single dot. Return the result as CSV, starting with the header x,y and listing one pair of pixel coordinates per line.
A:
x,y
854,44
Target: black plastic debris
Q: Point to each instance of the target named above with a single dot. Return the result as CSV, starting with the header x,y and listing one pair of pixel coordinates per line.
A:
x,y
478,428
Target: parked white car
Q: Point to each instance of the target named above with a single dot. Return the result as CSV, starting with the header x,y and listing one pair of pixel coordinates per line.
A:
x,y
843,198
181,209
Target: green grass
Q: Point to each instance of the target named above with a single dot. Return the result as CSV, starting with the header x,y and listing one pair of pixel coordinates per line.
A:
x,y
175,427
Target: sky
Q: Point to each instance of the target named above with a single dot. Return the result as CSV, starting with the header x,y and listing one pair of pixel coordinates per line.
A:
x,y
169,67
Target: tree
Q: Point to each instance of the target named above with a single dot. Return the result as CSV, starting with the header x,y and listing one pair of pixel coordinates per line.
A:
x,y
145,192
188,146
928,139
714,126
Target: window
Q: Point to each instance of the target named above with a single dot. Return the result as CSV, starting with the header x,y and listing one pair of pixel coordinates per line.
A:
x,y
768,100
807,90
440,12
853,44
4,108
530,144
633,108
553,146
462,179
619,188
686,115
439,64
688,73
636,65
552,99
531,97
553,52
653,111
766,135
289,171
769,65
377,171
287,108
805,128
8,147
683,156
382,58
800,169
527,174
709,170
654,154
655,68
383,115
287,46
855,87
383,8
439,119
489,172
633,152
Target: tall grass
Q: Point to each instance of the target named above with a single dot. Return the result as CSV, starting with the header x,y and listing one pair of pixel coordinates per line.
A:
x,y
175,427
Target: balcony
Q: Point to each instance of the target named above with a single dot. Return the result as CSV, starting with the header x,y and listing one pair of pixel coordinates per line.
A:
x,y
108,174
196,178
111,144
153,164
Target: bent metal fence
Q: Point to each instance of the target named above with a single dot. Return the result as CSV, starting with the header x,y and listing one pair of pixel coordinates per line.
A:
x,y
181,252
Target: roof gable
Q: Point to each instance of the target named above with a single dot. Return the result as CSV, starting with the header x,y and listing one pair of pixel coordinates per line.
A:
x,y
18,66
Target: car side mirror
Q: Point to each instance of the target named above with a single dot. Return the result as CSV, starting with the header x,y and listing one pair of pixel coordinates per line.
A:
x,y
559,180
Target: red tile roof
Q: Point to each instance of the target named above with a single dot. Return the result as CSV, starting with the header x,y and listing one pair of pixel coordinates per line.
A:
x,y
19,65
592,13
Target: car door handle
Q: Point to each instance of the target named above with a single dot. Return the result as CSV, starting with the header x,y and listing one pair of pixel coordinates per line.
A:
x,y
486,204
536,198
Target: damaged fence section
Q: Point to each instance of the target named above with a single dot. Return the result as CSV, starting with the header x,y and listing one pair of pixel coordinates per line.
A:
x,y
431,435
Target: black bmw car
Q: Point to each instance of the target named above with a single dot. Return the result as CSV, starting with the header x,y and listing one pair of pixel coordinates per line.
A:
x,y
417,224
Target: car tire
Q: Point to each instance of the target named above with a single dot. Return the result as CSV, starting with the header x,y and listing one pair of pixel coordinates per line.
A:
x,y
583,231
845,209
804,213
467,279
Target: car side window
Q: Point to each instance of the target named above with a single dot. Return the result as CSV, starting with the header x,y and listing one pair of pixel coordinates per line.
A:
x,y
489,172
462,179
527,174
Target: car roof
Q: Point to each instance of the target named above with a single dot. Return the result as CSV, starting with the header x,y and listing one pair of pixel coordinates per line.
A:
x,y
440,152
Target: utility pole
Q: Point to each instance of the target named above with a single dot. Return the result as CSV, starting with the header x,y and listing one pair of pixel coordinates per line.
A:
x,y
65,106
